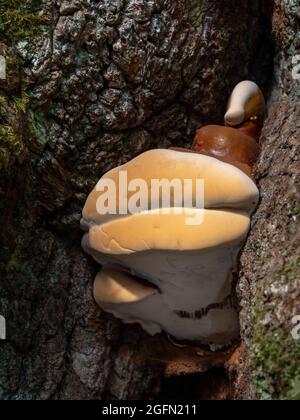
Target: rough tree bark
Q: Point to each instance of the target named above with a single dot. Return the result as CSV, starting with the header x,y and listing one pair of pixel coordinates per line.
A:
x,y
89,85
269,287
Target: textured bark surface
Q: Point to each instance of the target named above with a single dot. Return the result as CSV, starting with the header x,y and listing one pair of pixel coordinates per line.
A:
x,y
269,287
91,84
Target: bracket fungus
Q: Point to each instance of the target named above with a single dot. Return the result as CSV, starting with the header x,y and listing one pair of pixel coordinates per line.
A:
x,y
158,270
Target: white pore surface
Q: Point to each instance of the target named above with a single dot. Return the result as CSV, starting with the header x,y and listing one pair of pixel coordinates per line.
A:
x,y
188,282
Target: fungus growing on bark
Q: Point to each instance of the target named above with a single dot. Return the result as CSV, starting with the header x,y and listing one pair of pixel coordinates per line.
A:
x,y
160,271
246,104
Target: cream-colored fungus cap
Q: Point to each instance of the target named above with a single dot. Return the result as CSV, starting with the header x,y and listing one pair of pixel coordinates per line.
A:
x,y
116,286
226,186
151,231
245,104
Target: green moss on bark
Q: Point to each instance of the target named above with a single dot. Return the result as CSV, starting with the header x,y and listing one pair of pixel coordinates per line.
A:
x,y
37,121
12,111
275,354
276,362
20,20
196,10
8,142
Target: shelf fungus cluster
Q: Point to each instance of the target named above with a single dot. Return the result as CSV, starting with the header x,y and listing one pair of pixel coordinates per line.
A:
x,y
158,270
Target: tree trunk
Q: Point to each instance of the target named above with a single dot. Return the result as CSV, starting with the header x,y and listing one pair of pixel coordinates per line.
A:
x,y
269,287
89,85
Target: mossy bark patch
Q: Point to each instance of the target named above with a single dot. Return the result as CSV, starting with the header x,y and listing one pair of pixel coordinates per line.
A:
x,y
20,20
275,352
196,10
276,364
